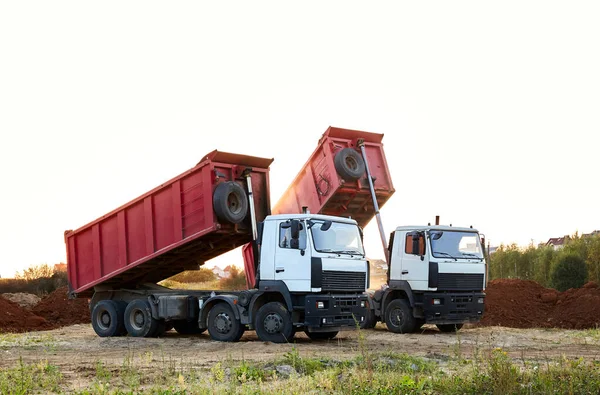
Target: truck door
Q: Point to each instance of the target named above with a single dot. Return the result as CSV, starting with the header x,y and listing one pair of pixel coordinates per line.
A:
x,y
292,258
415,267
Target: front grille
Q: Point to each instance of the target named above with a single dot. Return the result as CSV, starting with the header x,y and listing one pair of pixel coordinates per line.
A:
x,y
460,282
343,281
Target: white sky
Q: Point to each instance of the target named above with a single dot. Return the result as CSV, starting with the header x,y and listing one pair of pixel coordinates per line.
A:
x,y
490,110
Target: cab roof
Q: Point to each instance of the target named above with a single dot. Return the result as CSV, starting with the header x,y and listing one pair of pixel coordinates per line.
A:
x,y
279,217
436,227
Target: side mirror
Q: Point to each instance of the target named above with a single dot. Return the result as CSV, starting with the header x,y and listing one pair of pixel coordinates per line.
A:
x,y
295,227
416,238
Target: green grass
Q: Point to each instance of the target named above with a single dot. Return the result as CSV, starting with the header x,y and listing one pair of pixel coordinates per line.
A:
x,y
29,378
492,372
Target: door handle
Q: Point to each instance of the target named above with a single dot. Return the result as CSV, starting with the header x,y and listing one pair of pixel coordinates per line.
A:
x,y
279,270
404,271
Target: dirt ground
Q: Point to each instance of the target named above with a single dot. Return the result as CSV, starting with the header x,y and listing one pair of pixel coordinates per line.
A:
x,y
76,348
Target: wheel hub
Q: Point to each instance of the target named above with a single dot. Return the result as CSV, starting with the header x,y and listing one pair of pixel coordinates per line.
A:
x,y
351,163
234,203
104,320
397,317
138,319
273,323
223,323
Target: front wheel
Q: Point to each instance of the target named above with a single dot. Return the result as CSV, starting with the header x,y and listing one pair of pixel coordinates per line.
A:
x,y
449,328
399,317
274,323
321,335
222,324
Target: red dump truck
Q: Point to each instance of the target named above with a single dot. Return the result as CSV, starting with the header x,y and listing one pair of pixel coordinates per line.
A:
x,y
218,205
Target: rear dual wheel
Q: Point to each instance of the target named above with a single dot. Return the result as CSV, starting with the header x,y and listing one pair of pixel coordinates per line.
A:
x,y
139,321
108,317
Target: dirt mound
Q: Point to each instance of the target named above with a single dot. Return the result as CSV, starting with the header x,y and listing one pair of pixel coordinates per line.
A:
x,y
14,318
59,310
526,304
22,299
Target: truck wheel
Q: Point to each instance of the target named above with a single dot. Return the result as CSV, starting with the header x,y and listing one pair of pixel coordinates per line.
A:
x,y
398,317
449,327
349,164
230,202
370,321
107,319
321,335
222,324
274,323
139,321
184,327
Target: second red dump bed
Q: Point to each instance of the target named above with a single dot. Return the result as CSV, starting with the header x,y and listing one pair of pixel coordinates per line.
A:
x,y
184,222
333,180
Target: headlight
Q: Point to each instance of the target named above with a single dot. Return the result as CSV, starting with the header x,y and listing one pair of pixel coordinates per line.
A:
x,y
480,300
320,305
362,303
437,301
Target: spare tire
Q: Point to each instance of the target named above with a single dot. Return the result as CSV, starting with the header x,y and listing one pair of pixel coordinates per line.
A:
x,y
349,164
230,202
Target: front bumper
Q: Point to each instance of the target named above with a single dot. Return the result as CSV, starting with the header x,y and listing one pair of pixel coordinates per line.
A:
x,y
339,312
454,308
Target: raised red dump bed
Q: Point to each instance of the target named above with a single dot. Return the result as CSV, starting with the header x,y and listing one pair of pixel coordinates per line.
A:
x,y
184,222
333,182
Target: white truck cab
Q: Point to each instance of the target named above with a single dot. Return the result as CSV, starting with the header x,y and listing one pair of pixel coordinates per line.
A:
x,y
436,275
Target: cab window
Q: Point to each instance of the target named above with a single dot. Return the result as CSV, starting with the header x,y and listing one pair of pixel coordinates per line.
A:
x,y
285,238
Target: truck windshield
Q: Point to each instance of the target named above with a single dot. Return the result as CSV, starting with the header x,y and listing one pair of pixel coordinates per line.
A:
x,y
340,238
455,244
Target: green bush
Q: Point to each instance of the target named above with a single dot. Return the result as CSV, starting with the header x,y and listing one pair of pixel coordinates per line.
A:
x,y
569,272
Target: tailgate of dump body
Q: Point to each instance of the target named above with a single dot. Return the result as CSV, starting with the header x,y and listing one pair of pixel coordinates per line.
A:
x,y
319,187
167,230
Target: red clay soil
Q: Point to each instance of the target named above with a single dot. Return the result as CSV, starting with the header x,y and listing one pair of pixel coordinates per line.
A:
x,y
59,310
14,318
526,304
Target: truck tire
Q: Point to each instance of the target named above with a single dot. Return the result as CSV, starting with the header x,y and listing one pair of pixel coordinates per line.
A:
x,y
370,321
349,164
222,324
321,335
139,321
448,328
230,202
184,327
274,323
107,319
399,317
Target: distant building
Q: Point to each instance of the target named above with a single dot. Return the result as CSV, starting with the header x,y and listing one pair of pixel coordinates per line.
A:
x,y
594,233
557,242
222,273
60,267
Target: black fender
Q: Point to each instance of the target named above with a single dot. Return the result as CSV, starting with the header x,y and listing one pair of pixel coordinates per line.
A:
x,y
231,300
397,285
273,286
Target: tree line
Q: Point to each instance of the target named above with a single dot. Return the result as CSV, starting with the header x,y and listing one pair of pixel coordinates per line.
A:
x,y
577,262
